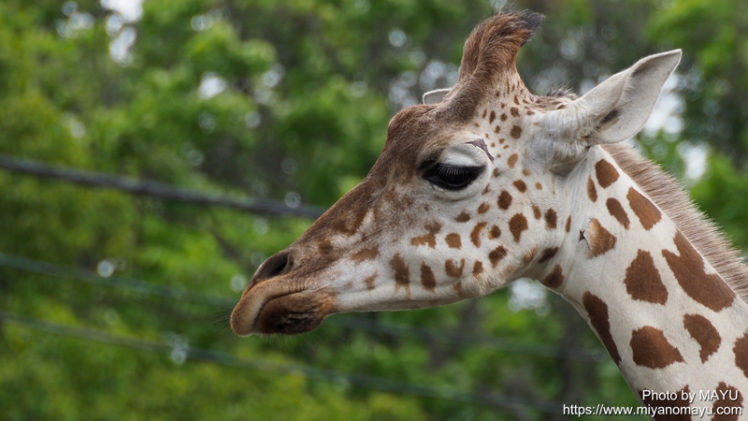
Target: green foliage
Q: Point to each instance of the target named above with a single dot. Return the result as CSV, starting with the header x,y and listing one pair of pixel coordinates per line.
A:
x,y
715,66
273,99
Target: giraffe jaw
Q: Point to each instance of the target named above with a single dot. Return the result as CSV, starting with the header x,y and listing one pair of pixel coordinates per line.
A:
x,y
267,308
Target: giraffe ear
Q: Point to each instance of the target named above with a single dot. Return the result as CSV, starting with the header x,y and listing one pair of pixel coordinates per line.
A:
x,y
617,108
612,111
435,96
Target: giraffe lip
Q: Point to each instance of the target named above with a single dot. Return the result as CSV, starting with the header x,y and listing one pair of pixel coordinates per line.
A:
x,y
265,311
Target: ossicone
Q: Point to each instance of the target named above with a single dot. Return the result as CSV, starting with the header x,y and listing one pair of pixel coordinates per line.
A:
x,y
489,53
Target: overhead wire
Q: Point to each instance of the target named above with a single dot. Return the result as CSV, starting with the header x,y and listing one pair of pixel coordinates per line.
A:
x,y
309,372
156,189
362,324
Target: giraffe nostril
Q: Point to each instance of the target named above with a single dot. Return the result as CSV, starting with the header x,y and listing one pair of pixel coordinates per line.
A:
x,y
274,266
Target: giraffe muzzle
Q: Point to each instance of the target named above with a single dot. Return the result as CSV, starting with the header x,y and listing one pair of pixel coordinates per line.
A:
x,y
271,307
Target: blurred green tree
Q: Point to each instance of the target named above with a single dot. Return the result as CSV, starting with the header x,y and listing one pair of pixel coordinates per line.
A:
x,y
290,101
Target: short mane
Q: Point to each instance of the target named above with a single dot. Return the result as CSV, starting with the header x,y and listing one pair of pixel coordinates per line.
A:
x,y
675,202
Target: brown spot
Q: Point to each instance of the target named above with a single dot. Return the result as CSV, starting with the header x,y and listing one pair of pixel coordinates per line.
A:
x,y
651,349
400,269
688,268
615,209
728,397
516,132
517,224
599,239
740,349
453,240
527,258
643,281
597,311
463,217
365,254
369,281
496,129
508,270
458,288
492,117
606,173
494,232
483,208
477,268
520,185
496,255
568,224
538,186
648,213
548,254
550,219
514,111
554,279
591,191
503,117
427,277
484,113
505,200
475,233
704,333
325,247
512,160
536,212
350,224
452,269
430,237
662,405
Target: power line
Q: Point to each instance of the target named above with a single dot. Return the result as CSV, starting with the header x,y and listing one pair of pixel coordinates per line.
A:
x,y
154,189
346,321
465,340
135,285
309,372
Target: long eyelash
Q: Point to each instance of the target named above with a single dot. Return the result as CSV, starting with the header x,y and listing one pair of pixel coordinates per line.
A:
x,y
452,177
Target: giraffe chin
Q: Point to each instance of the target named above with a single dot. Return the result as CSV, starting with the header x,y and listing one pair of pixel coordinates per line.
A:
x,y
288,314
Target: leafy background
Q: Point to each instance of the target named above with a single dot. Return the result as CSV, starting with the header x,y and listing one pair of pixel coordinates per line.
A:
x,y
114,306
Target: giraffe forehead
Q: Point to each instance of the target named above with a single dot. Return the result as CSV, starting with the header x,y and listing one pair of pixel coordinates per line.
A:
x,y
500,125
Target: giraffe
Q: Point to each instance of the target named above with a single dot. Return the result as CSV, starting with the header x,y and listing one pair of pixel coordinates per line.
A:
x,y
486,182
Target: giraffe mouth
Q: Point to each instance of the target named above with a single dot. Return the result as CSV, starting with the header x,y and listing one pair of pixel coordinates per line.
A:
x,y
266,309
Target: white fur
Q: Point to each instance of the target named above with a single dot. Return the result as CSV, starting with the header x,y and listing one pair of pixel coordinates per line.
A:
x,y
435,96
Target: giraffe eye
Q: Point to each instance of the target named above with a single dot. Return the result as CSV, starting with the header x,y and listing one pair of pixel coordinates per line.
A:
x,y
452,177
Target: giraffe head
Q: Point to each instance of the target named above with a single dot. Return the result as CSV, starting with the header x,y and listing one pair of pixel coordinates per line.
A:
x,y
472,190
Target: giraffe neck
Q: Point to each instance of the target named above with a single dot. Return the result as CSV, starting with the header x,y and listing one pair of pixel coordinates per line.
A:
x,y
667,318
